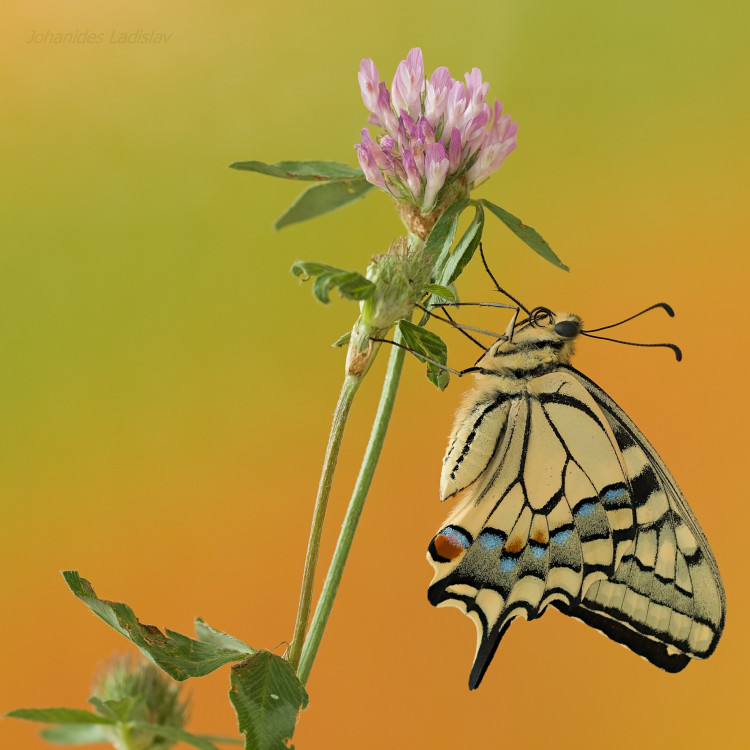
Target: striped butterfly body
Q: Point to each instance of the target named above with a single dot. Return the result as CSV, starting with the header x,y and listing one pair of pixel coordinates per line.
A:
x,y
562,501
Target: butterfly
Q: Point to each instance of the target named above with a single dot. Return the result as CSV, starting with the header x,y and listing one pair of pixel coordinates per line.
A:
x,y
561,500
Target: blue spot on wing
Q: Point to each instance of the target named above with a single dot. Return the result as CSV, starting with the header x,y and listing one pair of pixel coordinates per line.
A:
x,y
585,509
491,539
537,550
562,536
456,535
508,563
613,494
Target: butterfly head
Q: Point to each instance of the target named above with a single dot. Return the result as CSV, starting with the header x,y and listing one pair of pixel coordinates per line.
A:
x,y
543,338
564,326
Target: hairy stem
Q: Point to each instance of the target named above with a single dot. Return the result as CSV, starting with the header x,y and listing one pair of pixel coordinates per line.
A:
x,y
348,390
366,472
126,736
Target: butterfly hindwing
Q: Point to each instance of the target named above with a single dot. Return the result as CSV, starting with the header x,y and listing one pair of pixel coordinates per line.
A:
x,y
665,600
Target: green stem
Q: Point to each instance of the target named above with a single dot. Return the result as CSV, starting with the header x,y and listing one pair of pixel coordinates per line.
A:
x,y
126,736
366,472
348,390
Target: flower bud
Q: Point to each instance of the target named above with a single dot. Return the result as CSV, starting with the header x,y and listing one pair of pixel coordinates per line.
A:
x,y
400,277
155,700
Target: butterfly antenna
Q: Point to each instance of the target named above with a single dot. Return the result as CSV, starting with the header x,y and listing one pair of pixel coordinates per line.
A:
x,y
448,319
422,357
477,304
464,328
673,347
494,281
663,305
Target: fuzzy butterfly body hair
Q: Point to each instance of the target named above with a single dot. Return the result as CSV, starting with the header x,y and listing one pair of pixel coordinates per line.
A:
x,y
560,500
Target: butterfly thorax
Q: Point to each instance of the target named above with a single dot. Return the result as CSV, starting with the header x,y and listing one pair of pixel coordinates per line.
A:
x,y
532,349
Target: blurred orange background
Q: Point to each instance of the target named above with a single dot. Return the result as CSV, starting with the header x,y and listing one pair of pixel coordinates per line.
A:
x,y
167,385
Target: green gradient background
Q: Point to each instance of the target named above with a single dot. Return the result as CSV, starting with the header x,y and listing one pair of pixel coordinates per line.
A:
x,y
166,385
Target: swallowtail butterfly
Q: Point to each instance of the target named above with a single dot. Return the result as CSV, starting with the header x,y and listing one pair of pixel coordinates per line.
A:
x,y
561,500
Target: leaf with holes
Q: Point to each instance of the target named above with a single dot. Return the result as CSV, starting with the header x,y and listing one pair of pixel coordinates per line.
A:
x,y
179,656
267,696
207,634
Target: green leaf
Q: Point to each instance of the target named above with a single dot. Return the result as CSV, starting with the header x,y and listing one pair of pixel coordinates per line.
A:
x,y
222,740
78,734
438,377
422,342
343,340
305,269
179,656
442,234
450,264
267,697
60,716
207,634
117,710
302,170
351,284
426,344
320,199
444,292
526,233
438,295
339,185
178,735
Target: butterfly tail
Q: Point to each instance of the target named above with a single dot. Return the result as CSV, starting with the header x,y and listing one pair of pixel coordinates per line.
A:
x,y
488,644
475,604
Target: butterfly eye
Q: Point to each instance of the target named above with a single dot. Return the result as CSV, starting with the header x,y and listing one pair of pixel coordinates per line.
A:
x,y
567,329
540,316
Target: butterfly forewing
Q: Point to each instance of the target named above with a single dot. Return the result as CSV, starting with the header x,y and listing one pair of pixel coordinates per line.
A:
x,y
561,500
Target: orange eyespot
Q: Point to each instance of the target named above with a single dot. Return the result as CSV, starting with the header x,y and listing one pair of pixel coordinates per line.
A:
x,y
448,546
449,543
